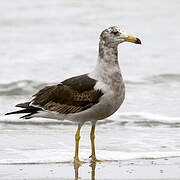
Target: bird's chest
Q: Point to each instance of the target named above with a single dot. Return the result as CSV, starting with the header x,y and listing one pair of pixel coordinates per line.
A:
x,y
116,98
113,97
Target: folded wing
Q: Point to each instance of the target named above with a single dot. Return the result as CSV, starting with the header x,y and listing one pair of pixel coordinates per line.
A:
x,y
70,96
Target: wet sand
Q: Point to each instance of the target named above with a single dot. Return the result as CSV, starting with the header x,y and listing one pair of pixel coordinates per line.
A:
x,y
159,169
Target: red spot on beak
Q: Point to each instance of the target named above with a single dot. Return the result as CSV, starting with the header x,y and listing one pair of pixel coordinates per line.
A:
x,y
138,41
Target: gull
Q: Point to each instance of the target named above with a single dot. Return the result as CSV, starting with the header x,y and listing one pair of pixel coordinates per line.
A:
x,y
89,97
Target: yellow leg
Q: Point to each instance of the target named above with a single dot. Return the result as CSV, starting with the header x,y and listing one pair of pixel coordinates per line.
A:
x,y
93,167
92,137
76,168
77,138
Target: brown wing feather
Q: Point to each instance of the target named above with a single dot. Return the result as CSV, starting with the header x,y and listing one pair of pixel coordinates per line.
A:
x,y
57,93
63,99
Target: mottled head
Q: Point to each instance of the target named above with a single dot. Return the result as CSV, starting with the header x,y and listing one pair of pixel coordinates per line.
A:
x,y
113,36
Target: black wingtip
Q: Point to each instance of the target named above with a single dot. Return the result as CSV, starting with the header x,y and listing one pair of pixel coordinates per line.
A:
x,y
23,105
15,112
7,114
22,111
28,116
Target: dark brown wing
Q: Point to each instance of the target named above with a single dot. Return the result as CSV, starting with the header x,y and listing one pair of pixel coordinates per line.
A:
x,y
71,96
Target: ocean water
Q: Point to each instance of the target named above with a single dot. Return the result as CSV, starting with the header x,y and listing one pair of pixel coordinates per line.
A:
x,y
45,42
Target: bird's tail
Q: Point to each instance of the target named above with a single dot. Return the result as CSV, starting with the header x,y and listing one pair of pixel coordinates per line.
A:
x,y
26,109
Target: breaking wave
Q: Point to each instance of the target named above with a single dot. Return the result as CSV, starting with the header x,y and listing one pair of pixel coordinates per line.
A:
x,y
48,156
165,78
145,119
23,87
155,79
123,119
28,87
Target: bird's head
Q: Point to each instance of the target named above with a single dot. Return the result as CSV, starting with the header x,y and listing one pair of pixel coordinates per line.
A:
x,y
113,36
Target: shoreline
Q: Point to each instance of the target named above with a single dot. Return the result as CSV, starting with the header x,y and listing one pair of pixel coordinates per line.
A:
x,y
151,169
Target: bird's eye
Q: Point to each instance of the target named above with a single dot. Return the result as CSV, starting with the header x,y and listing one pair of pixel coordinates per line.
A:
x,y
115,32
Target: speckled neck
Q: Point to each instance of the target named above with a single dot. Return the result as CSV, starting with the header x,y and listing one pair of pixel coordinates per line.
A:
x,y
107,69
108,52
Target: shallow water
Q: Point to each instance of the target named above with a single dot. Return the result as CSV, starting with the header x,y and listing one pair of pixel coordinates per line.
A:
x,y
44,42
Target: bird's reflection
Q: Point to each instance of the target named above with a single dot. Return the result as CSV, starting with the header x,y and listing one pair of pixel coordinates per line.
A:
x,y
93,167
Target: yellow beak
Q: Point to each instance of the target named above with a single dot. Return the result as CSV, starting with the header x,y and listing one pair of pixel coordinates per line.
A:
x,y
132,39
